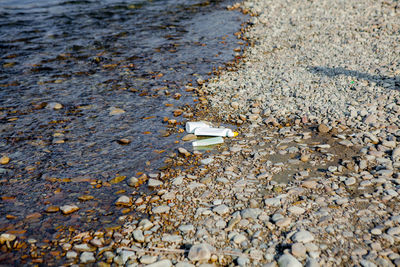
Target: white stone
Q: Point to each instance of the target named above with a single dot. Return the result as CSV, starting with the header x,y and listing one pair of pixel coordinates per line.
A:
x,y
206,161
154,183
172,238
138,236
147,259
184,264
221,209
287,260
200,252
161,209
123,200
125,255
71,255
303,236
296,210
350,181
162,263
186,228
87,257
312,262
394,231
239,238
274,202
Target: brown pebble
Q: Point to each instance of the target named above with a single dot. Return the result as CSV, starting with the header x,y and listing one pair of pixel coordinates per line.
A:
x,y
305,157
67,209
85,197
124,141
322,128
52,209
189,137
178,112
4,160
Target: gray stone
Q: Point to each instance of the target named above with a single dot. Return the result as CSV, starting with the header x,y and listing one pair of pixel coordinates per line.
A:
x,y
172,238
138,236
366,263
221,209
186,228
87,257
200,252
125,255
206,161
346,143
394,231
350,181
71,255
145,224
299,250
296,210
243,261
147,259
287,260
312,262
162,263
250,213
184,264
303,236
239,238
154,183
161,209
274,202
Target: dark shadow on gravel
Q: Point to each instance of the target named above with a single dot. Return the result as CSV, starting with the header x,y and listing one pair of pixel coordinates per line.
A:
x,y
381,80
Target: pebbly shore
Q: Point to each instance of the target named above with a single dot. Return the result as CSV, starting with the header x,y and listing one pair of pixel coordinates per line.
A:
x,y
313,177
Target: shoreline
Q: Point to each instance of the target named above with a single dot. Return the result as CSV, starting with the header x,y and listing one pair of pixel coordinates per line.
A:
x,y
298,186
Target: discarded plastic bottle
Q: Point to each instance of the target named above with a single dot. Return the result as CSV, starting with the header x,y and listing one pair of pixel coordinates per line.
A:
x,y
207,131
191,126
208,141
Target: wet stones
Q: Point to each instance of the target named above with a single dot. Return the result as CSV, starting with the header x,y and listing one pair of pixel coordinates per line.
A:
x,y
4,160
124,201
7,238
116,111
189,137
54,105
133,181
184,152
52,209
68,209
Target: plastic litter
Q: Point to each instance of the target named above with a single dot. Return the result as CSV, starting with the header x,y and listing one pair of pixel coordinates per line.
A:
x,y
208,141
191,126
207,131
204,129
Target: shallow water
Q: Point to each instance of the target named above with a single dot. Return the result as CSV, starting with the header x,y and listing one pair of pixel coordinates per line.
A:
x,y
91,57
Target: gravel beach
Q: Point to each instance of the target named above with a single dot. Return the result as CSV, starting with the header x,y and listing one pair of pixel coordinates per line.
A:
x,y
313,177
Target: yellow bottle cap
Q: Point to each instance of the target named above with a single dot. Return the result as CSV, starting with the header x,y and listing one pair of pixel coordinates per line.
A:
x,y
235,134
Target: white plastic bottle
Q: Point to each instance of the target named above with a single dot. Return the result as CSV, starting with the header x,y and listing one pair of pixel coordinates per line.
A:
x,y
191,126
208,141
207,131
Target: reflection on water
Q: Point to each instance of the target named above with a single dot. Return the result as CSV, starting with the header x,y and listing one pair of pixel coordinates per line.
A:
x,y
76,77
